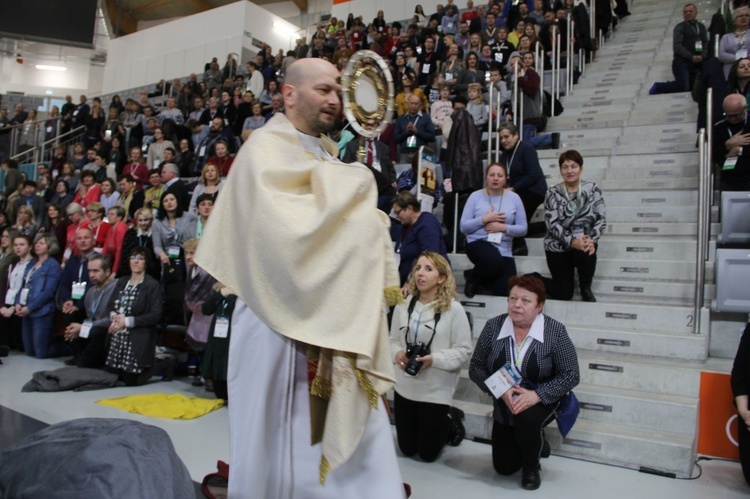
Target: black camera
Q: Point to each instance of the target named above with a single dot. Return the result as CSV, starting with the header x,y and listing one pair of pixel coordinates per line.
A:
x,y
413,351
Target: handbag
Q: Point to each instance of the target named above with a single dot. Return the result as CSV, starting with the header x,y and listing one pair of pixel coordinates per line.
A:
x,y
567,413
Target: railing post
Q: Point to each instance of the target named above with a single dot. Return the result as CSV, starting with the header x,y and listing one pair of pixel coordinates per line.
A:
x,y
554,66
489,129
700,256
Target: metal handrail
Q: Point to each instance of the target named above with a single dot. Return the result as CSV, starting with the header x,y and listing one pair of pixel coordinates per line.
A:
x,y
700,256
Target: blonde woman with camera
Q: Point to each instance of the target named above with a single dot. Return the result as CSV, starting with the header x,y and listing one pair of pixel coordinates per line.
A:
x,y
430,341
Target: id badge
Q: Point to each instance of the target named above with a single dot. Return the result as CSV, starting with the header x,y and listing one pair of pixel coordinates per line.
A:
x,y
68,252
79,289
221,327
499,57
85,329
578,232
699,47
376,166
448,76
173,252
495,237
49,129
24,296
10,297
503,380
411,142
426,69
730,163
157,163
99,250
740,54
202,151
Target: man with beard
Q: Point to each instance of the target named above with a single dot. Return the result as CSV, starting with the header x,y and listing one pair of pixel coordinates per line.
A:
x,y
309,357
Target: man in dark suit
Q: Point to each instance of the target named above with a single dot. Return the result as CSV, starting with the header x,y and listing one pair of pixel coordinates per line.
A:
x,y
29,198
378,160
170,177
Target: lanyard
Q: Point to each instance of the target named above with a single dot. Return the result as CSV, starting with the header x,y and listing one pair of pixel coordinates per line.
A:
x,y
515,352
730,131
578,201
512,157
96,303
80,268
499,205
32,270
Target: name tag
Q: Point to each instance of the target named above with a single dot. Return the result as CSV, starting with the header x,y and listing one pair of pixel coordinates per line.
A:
x,y
740,54
10,297
24,296
495,237
202,151
448,76
49,129
157,162
730,163
411,141
503,380
699,46
499,57
68,252
425,68
221,327
173,252
79,289
578,232
85,329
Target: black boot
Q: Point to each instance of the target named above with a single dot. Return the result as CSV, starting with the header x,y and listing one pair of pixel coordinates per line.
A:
x,y
531,479
470,287
555,140
457,431
587,295
546,450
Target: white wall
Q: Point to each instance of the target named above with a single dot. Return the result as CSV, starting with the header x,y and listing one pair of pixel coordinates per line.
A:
x,y
79,78
183,46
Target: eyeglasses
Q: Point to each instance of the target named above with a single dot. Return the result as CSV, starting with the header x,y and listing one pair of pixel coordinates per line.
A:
x,y
137,258
397,212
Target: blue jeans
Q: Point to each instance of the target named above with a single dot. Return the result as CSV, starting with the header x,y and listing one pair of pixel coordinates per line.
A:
x,y
543,141
38,338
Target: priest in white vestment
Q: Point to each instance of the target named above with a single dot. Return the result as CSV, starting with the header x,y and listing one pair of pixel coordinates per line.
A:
x,y
297,235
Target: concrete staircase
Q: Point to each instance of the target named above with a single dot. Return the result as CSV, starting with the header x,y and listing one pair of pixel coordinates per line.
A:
x,y
640,349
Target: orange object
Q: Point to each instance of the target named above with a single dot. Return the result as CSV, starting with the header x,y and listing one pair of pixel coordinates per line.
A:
x,y
717,416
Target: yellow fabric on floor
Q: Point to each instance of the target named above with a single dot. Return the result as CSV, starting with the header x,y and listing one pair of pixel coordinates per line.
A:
x,y
163,405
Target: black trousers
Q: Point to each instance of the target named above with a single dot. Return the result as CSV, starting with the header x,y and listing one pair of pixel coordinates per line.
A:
x,y
744,441
421,427
521,444
11,332
491,269
562,266
530,202
92,351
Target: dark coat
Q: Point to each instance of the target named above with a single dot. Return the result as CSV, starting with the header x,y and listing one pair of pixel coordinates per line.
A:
x,y
42,287
524,171
463,157
147,311
387,174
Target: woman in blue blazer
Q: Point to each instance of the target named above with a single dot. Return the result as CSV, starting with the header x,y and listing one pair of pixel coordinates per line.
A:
x,y
35,304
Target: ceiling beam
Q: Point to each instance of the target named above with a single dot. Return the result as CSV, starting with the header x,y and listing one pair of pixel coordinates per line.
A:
x,y
301,5
135,11
122,23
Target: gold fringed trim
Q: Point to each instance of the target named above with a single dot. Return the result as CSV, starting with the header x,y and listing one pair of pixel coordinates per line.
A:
x,y
393,296
325,468
365,384
322,388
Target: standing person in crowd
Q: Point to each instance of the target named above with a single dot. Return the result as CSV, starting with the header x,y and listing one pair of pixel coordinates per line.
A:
x,y
88,335
430,341
421,232
8,257
152,198
312,314
690,44
539,349
156,149
210,182
256,120
736,44
131,199
11,284
413,130
135,310
76,216
74,280
88,191
171,229
13,177
137,168
470,74
115,235
95,221
739,78
140,236
205,204
30,199
215,362
525,176
491,219
575,216
57,225
197,289
35,303
408,88
110,196
223,160
170,176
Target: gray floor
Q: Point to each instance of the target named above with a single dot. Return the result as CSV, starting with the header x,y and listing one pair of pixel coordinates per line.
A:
x,y
464,470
